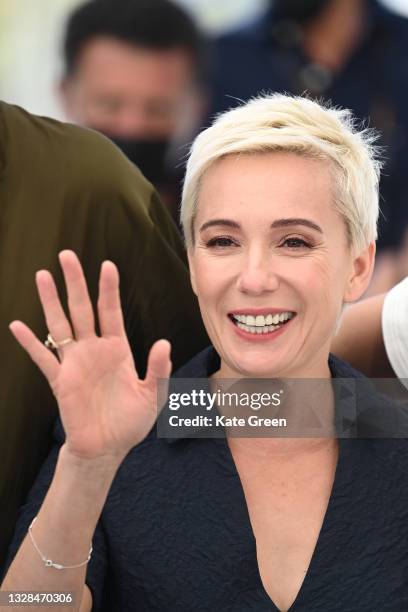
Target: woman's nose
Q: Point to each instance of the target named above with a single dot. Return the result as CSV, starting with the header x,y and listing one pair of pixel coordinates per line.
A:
x,y
258,274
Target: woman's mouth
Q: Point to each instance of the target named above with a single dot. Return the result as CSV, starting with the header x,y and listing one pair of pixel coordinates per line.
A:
x,y
264,324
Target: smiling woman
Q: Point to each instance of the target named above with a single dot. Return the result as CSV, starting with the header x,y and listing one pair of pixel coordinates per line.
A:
x,y
279,210
260,264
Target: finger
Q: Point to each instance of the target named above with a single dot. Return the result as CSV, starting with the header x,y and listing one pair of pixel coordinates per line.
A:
x,y
57,322
109,307
80,307
42,357
158,364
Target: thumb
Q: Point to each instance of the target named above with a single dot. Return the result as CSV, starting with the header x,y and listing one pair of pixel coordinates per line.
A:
x,y
158,363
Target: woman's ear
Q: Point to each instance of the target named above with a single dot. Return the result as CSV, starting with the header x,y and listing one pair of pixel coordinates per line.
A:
x,y
362,270
190,256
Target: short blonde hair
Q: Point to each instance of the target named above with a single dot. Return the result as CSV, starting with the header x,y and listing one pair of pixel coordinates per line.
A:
x,y
280,122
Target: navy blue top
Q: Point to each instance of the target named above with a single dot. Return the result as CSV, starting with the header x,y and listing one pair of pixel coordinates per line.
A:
x,y
373,84
175,532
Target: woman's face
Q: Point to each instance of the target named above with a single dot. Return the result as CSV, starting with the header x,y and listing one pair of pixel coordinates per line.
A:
x,y
271,265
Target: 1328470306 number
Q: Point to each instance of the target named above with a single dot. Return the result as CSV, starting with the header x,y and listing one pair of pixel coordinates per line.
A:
x,y
36,597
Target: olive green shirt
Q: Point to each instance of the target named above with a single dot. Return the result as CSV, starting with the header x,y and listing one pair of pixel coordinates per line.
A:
x,y
63,187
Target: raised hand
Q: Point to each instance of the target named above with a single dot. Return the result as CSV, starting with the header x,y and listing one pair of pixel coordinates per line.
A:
x,y
104,406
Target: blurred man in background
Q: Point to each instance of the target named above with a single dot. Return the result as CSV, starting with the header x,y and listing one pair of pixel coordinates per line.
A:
x,y
134,71
352,52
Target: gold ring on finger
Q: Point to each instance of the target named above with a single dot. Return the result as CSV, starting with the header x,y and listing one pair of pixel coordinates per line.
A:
x,y
52,344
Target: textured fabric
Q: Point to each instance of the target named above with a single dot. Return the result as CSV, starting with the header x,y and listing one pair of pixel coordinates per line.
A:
x,y
395,330
373,83
175,531
66,187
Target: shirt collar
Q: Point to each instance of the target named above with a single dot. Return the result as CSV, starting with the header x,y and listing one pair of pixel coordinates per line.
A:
x,y
202,365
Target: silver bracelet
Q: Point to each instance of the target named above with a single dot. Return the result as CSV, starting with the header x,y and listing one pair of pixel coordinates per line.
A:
x,y
49,562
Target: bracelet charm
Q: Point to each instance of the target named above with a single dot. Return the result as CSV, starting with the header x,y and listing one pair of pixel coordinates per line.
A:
x,y
50,562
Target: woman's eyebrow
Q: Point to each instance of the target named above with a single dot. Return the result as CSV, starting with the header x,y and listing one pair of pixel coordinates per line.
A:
x,y
296,221
224,222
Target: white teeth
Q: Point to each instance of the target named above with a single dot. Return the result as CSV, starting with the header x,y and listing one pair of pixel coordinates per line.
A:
x,y
258,330
261,324
262,321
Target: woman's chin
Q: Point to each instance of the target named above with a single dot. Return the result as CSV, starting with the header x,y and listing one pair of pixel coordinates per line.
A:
x,y
257,366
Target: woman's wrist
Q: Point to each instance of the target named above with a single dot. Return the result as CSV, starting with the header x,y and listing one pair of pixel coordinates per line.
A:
x,y
83,484
102,468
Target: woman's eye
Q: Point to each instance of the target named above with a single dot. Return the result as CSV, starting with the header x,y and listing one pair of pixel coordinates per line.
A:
x,y
220,241
296,243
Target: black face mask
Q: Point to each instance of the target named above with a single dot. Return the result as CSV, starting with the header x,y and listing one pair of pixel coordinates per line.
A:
x,y
298,11
148,155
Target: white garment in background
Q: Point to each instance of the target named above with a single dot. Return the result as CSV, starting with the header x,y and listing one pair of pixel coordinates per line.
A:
x,y
395,329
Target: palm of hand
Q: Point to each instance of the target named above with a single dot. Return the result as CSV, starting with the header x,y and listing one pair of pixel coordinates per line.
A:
x,y
117,409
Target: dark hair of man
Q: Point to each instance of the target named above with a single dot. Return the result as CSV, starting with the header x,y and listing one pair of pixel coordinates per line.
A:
x,y
151,24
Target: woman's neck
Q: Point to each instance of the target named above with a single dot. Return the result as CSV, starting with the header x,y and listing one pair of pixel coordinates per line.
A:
x,y
259,455
304,409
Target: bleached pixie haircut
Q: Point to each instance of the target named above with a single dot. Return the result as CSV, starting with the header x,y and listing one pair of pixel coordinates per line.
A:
x,y
283,123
